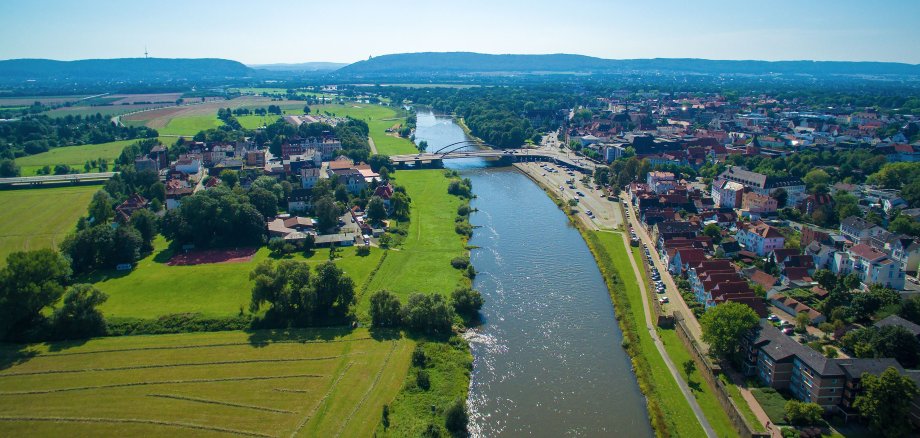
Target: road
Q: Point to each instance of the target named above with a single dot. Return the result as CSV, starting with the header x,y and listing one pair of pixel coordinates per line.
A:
x,y
606,214
653,332
676,300
370,141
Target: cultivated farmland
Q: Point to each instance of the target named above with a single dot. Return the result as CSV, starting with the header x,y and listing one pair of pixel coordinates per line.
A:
x,y
76,156
39,218
319,382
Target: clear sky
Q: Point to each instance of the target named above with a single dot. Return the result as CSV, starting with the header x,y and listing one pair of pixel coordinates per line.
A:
x,y
258,32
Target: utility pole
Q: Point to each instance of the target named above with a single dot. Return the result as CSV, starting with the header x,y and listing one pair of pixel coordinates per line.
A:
x,y
145,51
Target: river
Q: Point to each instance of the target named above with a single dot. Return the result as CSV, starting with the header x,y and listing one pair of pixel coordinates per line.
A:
x,y
547,358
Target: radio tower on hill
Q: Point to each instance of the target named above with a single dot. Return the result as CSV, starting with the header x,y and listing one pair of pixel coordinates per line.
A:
x,y
145,51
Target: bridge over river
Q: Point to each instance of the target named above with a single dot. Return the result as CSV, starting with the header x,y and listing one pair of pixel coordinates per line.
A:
x,y
509,156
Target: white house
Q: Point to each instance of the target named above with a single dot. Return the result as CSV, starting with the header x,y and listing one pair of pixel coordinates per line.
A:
x,y
760,238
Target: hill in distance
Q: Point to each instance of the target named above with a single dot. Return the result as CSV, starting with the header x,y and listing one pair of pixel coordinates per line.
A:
x,y
121,69
304,66
468,63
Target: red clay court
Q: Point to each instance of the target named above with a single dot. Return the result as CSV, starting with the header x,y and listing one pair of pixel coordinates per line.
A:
x,y
199,257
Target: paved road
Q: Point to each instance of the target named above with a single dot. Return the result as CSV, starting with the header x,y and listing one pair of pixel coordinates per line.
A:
x,y
370,141
606,214
688,394
676,300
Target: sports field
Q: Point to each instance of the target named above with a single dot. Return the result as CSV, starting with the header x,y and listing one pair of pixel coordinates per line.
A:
x,y
39,218
76,156
317,382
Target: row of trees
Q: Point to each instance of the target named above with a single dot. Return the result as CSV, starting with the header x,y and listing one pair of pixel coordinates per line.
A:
x,y
429,313
296,296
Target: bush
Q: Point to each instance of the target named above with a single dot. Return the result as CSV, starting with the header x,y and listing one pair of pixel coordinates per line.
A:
x,y
460,262
467,302
457,418
471,272
803,414
386,310
464,229
79,318
429,313
363,251
423,380
463,210
419,358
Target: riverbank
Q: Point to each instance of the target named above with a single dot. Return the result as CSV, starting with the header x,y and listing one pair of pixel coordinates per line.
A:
x,y
669,411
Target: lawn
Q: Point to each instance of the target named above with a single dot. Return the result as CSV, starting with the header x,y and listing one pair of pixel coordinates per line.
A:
x,y
154,288
76,156
379,118
660,385
422,263
254,122
315,382
772,402
40,218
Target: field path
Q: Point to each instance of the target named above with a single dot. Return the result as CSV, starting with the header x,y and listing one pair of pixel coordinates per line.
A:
x,y
691,400
370,141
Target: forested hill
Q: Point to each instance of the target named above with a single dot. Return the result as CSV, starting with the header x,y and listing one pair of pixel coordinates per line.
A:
x,y
466,63
17,71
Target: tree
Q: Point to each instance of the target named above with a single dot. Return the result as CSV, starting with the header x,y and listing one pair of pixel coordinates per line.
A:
x,y
466,301
335,291
147,224
888,341
816,177
100,208
803,414
422,146
30,282
689,367
886,402
157,191
376,211
386,310
218,216
457,418
78,317
8,168
399,202
910,309
801,322
229,177
713,231
306,109
327,213
429,313
264,201
285,286
724,326
781,197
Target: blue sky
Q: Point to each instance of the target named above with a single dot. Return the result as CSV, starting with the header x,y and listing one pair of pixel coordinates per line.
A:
x,y
256,31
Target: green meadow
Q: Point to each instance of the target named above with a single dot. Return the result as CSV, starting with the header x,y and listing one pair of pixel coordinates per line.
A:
x,y
76,156
379,118
40,218
190,125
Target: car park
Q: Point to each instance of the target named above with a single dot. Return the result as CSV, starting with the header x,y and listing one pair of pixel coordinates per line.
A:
x,y
663,300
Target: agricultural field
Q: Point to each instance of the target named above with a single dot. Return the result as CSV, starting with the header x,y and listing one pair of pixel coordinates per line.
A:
x,y
155,288
45,100
314,382
187,120
379,119
190,125
40,218
105,110
76,156
255,122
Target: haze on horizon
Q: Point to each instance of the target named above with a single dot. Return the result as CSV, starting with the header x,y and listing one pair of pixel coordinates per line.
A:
x,y
351,30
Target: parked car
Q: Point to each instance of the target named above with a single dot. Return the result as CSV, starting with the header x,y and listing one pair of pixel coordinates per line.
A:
x,y
788,331
663,300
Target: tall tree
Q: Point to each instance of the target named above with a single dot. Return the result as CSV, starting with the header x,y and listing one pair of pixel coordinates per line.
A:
x,y
376,211
30,282
886,402
724,326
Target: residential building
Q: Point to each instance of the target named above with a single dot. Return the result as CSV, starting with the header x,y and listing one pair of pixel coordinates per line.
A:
x,y
858,229
763,184
727,194
310,176
870,265
756,205
661,182
760,238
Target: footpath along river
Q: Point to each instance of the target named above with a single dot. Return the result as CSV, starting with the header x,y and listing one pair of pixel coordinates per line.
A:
x,y
547,358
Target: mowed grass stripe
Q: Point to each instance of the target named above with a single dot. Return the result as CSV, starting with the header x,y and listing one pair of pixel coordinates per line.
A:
x,y
159,382
221,403
172,365
134,421
322,401
367,393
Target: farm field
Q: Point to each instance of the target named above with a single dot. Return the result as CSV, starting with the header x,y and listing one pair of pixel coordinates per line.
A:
x,y
46,100
76,156
314,382
172,118
40,218
154,288
105,110
190,125
379,119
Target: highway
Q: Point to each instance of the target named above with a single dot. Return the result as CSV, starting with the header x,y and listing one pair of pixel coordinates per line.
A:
x,y
43,179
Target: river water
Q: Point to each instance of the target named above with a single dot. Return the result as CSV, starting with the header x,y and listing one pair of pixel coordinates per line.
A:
x,y
547,359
